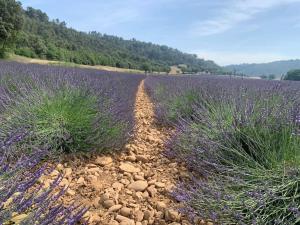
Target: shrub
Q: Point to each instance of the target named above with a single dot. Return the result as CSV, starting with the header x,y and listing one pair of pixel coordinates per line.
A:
x,y
292,75
25,52
179,106
68,109
170,108
241,140
249,154
22,199
55,108
67,120
4,54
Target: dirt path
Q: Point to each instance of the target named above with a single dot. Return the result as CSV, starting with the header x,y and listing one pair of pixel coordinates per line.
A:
x,y
132,187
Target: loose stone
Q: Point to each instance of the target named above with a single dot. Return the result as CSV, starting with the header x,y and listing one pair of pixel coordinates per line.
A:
x,y
138,185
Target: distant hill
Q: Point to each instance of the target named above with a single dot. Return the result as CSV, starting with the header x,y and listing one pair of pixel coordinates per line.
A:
x,y
277,68
53,40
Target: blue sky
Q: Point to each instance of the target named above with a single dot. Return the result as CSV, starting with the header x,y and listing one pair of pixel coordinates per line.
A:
x,y
226,31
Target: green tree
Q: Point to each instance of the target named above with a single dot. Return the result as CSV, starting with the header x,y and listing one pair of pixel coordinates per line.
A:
x,y
52,39
264,77
271,77
11,20
146,67
37,14
293,75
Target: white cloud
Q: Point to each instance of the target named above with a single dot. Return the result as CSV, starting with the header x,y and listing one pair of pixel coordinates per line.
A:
x,y
100,14
237,11
113,14
226,57
103,15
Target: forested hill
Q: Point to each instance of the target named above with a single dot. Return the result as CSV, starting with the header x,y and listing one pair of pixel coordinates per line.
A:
x,y
277,68
53,40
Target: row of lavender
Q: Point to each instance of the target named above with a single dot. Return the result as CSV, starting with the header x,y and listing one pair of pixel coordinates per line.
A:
x,y
241,139
46,111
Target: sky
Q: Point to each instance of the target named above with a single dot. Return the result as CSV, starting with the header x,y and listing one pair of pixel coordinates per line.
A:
x,y
226,31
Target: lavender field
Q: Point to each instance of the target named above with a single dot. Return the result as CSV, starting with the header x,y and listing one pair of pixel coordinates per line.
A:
x,y
162,112
241,140
238,138
48,111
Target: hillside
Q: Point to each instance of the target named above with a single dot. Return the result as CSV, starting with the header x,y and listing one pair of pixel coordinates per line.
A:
x,y
277,68
53,40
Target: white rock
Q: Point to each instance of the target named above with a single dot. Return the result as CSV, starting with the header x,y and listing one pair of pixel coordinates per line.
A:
x,y
80,180
172,215
108,203
126,167
161,206
114,208
71,192
104,160
120,218
125,211
138,177
118,186
139,185
68,172
160,185
143,158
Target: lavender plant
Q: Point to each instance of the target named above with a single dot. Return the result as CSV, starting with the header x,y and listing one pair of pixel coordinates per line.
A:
x,y
68,109
171,101
22,199
55,108
241,139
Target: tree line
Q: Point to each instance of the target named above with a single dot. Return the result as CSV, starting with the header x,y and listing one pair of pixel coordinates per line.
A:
x,y
29,32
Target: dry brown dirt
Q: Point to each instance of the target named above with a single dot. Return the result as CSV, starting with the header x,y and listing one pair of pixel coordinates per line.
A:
x,y
22,59
131,187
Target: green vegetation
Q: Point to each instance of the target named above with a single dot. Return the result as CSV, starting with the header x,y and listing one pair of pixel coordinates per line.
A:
x,y
53,40
46,112
253,167
179,105
64,120
292,75
240,138
63,109
268,77
10,23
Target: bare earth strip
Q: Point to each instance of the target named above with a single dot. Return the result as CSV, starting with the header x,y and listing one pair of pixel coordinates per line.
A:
x,y
22,59
131,187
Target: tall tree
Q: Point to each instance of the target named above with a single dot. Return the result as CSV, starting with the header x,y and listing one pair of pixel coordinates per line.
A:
x,y
51,39
293,75
11,20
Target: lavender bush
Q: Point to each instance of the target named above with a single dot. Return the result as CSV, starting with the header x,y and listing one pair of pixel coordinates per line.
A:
x,y
55,109
241,138
22,199
68,109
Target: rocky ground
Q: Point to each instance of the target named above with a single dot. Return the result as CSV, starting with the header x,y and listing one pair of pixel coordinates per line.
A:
x,y
131,187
